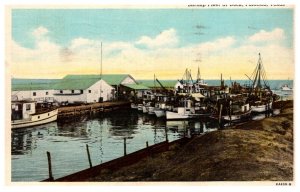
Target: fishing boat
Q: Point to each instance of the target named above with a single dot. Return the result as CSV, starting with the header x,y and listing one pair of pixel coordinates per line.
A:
x,y
260,107
133,106
140,107
238,113
182,113
160,109
25,114
151,110
145,109
160,112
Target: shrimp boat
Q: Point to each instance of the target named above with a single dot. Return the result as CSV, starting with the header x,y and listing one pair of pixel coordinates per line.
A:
x,y
239,113
25,114
260,107
260,97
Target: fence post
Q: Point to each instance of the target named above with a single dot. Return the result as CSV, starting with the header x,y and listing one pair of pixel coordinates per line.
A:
x,y
125,147
49,166
166,134
89,157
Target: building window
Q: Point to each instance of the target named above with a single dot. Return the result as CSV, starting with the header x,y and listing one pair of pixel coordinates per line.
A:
x,y
61,91
90,91
81,91
34,93
72,91
47,93
28,107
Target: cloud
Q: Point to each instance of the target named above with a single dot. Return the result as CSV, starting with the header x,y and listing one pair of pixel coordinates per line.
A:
x,y
40,32
228,55
167,38
276,35
216,45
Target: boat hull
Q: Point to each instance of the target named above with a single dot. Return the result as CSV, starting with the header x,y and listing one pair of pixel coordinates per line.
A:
x,y
175,116
238,117
261,108
160,113
37,119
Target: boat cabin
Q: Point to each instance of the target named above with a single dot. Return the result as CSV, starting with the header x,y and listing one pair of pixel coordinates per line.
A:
x,y
22,109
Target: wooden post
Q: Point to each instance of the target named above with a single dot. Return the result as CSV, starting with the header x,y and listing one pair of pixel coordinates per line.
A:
x,y
125,147
230,109
220,115
49,166
89,156
166,134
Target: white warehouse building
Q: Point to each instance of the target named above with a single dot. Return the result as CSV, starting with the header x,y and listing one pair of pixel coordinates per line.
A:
x,y
40,90
83,89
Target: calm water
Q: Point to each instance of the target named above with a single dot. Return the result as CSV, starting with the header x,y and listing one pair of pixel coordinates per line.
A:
x,y
104,135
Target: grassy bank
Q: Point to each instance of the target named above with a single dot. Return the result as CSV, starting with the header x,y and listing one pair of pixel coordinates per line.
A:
x,y
253,151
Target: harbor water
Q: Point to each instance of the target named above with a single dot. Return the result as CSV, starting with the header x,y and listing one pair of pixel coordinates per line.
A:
x,y
104,135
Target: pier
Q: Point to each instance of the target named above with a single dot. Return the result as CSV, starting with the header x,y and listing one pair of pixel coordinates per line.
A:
x,y
87,109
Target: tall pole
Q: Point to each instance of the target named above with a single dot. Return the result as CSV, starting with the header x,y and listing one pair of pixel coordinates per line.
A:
x,y
101,74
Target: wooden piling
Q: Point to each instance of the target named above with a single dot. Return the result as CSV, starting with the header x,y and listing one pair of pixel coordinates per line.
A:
x,y
125,147
89,156
230,110
50,166
220,115
166,131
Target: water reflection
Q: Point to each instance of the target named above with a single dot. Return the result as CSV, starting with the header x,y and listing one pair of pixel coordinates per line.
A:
x,y
192,127
66,141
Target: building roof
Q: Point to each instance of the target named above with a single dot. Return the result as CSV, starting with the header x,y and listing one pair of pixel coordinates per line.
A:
x,y
69,82
115,79
77,82
165,83
33,84
82,82
136,86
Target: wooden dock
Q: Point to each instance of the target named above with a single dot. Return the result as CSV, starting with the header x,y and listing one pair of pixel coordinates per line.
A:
x,y
88,109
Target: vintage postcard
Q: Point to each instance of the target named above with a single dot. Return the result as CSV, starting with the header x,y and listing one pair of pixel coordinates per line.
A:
x,y
197,94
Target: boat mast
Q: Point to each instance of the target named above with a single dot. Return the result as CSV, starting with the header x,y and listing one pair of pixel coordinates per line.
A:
x,y
198,75
101,73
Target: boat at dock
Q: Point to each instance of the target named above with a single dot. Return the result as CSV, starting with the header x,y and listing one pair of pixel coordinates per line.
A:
x,y
260,107
25,114
160,112
133,106
140,107
243,112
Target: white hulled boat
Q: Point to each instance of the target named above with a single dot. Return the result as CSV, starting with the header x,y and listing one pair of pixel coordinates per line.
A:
x,y
24,114
160,112
238,113
260,107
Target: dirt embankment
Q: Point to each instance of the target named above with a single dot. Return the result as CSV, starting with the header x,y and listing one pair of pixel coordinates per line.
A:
x,y
254,151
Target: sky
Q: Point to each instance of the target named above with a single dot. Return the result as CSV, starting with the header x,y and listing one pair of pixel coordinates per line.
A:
x,y
51,43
